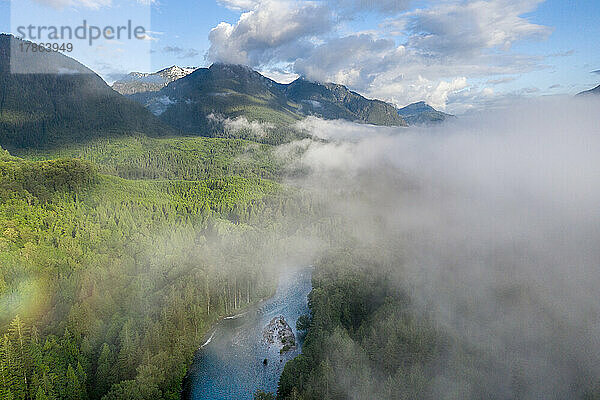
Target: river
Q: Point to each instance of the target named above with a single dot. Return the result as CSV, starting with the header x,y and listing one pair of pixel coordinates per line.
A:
x,y
230,364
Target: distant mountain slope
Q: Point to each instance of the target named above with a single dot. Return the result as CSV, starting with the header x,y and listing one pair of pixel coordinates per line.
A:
x,y
422,113
193,103
227,90
68,103
139,82
594,91
331,101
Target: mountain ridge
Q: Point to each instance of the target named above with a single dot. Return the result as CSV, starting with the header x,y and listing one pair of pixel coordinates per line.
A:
x,y
335,101
233,91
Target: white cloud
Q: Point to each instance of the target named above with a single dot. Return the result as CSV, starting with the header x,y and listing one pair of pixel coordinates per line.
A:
x,y
423,54
501,81
348,60
379,68
241,124
341,6
280,76
239,5
465,28
274,30
437,96
385,6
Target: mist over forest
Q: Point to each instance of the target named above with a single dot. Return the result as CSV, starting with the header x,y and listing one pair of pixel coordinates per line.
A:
x,y
305,218
490,225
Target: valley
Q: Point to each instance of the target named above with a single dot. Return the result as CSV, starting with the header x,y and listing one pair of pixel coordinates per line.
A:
x,y
155,233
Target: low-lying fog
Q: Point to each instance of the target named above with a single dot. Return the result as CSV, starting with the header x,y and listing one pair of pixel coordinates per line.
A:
x,y
496,218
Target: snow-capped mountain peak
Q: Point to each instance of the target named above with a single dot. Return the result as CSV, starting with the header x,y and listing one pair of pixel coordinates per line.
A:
x,y
140,82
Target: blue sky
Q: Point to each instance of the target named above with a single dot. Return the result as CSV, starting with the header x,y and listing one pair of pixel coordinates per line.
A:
x,y
577,29
455,54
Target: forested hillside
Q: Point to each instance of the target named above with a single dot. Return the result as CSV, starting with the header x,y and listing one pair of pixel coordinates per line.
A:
x,y
188,158
332,101
69,103
363,341
200,102
108,285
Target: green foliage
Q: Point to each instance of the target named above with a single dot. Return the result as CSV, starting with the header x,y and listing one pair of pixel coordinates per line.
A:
x,y
303,323
42,180
106,374
189,158
32,370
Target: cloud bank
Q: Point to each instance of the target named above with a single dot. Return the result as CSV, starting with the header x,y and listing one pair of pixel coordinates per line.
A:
x,y
273,30
496,220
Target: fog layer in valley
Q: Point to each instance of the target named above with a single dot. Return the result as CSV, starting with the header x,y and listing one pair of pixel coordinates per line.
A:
x,y
495,222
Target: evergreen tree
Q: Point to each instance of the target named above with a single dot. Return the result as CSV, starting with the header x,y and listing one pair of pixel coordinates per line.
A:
x,y
18,357
6,373
105,372
41,395
74,390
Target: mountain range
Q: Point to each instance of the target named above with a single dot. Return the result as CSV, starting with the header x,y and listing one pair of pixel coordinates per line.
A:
x,y
234,90
70,103
189,100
